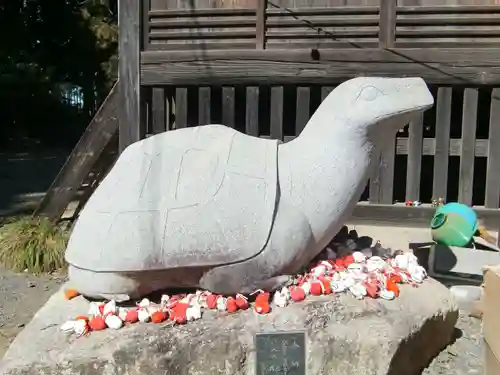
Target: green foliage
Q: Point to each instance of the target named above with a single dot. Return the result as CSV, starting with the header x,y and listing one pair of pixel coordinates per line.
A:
x,y
31,243
48,45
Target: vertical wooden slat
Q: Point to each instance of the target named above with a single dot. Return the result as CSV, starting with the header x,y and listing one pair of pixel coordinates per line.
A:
x,y
414,167
252,111
381,184
129,72
387,24
158,103
228,106
325,91
493,163
260,28
169,107
146,110
277,112
146,6
181,107
302,109
467,153
204,95
443,117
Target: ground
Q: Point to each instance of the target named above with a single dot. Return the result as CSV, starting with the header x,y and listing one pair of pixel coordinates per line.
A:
x,y
21,295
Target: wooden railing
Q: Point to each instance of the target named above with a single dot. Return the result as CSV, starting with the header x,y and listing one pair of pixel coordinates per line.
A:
x,y
281,112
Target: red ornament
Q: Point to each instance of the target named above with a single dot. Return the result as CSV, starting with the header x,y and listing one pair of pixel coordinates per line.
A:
x,y
372,289
241,302
395,278
327,289
158,316
231,305
178,313
391,286
212,301
132,316
298,294
97,324
262,305
316,288
348,259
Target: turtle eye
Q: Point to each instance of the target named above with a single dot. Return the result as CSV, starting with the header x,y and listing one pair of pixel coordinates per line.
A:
x,y
369,93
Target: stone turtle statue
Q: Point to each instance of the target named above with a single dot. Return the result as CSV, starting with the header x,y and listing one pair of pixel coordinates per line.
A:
x,y
211,207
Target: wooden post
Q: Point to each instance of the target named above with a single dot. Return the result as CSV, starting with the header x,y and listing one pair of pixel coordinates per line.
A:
x,y
387,24
382,182
260,28
129,16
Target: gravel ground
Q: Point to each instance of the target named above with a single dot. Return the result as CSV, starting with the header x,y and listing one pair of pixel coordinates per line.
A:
x,y
465,355
21,295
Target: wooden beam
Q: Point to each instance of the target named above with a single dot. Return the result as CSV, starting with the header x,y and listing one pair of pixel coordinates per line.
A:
x,y
260,28
387,24
81,160
493,167
404,146
129,16
471,66
400,215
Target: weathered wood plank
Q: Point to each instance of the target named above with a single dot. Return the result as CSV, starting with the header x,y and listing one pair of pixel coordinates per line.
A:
x,y
252,111
414,166
435,65
443,117
159,121
399,215
228,103
387,23
302,108
382,182
145,110
328,44
129,72
273,12
324,11
181,107
493,164
144,25
84,156
467,155
260,27
429,146
204,105
300,34
276,110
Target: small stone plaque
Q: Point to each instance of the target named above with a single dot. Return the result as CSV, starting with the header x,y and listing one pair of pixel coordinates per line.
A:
x,y
282,353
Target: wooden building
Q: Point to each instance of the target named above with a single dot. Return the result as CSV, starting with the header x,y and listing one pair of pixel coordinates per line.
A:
x,y
264,66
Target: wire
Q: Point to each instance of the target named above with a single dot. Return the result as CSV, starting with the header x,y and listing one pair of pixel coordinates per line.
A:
x,y
311,25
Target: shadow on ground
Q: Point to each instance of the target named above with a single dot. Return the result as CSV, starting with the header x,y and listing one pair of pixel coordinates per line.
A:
x,y
26,176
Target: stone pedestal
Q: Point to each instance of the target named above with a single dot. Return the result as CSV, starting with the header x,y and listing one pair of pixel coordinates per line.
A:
x,y
344,336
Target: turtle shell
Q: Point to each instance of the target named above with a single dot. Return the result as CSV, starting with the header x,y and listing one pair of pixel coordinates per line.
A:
x,y
191,197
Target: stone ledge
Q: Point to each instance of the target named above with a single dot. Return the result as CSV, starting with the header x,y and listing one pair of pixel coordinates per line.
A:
x,y
345,336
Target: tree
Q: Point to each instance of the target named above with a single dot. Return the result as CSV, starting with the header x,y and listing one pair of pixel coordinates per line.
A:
x,y
53,45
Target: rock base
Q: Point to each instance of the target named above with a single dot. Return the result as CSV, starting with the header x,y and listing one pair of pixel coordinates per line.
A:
x,y
344,336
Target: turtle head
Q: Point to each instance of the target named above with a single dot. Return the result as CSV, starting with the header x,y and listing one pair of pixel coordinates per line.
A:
x,y
381,105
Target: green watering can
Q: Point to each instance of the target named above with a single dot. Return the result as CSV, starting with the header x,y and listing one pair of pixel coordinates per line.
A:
x,y
454,224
